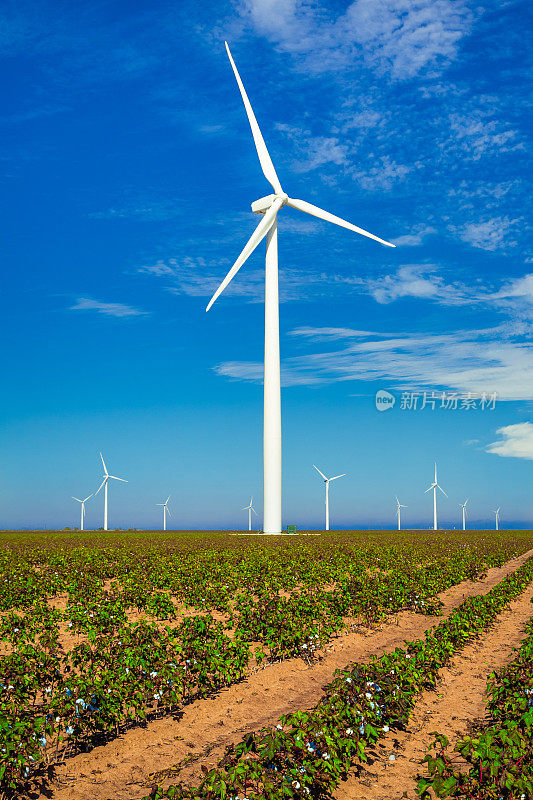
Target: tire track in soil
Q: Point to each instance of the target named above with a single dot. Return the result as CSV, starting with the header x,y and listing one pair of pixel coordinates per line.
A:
x,y
124,768
459,700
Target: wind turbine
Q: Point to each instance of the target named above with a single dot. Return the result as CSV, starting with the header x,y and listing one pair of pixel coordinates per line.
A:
x,y
107,476
82,508
463,506
497,512
250,508
399,513
166,510
327,482
269,207
435,486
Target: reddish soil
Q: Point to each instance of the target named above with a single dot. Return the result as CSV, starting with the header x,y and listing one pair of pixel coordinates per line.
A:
x,y
458,701
172,746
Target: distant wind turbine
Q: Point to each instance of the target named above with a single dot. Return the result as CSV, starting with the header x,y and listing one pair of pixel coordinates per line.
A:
x,y
497,512
82,509
269,207
249,509
166,510
463,506
399,506
327,482
107,476
435,486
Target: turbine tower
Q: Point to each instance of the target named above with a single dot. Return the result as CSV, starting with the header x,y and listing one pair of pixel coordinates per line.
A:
x,y
249,509
166,510
463,506
267,227
82,509
107,476
435,486
497,512
327,482
399,506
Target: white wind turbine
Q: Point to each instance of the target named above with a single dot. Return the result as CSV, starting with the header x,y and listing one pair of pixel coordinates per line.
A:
x,y
107,476
82,508
463,506
327,482
435,486
166,510
497,512
399,506
249,509
269,207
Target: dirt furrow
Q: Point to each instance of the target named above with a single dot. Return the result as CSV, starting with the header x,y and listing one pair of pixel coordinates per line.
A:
x,y
124,768
458,700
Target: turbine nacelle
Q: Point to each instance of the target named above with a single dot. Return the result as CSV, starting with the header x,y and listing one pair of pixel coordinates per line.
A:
x,y
264,203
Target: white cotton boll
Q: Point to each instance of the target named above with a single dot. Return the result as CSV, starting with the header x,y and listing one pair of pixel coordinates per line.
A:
x,y
392,758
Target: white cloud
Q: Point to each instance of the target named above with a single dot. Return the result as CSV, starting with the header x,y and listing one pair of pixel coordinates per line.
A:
x,y
463,361
415,238
109,309
405,37
313,151
383,176
521,287
516,441
478,136
491,234
400,37
409,281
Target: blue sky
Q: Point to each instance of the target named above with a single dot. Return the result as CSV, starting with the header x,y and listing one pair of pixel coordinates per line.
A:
x,y
128,170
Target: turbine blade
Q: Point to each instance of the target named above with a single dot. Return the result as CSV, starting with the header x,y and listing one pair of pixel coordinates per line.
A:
x,y
338,476
118,479
257,236
87,498
442,490
75,498
430,488
309,208
320,473
104,481
168,498
103,462
255,512
168,512
264,158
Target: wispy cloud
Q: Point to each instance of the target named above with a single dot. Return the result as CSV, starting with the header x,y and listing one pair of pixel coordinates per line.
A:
x,y
417,236
154,211
463,361
402,38
489,234
109,309
516,441
478,135
313,151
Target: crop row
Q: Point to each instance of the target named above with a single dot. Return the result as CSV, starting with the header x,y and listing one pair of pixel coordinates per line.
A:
x,y
501,753
307,753
53,702
210,577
